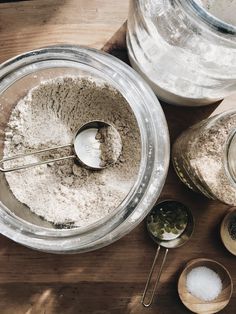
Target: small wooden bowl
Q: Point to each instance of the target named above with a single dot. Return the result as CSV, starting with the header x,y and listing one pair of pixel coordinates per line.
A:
x,y
205,307
229,243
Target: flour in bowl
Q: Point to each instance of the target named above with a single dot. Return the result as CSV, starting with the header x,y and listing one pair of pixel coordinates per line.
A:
x,y
65,193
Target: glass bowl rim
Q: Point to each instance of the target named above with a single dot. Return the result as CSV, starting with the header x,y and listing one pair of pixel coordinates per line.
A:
x,y
35,236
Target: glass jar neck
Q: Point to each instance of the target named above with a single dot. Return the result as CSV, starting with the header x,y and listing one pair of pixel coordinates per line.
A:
x,y
231,155
196,11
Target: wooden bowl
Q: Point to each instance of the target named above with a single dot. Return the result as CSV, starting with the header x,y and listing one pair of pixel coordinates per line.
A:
x,y
229,243
205,307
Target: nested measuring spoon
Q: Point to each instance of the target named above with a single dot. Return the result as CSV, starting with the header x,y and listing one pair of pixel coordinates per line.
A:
x,y
170,224
96,145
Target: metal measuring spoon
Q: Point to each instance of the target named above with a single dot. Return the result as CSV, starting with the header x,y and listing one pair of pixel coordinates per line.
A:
x,y
170,224
96,145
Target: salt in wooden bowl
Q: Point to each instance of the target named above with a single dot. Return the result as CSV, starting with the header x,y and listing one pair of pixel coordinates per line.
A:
x,y
205,307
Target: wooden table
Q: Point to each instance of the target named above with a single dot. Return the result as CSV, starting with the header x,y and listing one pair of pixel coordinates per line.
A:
x,y
112,279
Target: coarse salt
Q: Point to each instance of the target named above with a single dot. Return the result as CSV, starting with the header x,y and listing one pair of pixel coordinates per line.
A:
x,y
203,283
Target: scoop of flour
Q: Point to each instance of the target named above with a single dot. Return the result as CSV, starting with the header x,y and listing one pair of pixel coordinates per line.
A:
x,y
110,145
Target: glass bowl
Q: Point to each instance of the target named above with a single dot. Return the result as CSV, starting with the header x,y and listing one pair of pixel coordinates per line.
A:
x,y
17,77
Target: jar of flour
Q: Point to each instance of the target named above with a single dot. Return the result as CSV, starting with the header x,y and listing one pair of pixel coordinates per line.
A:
x,y
204,157
186,50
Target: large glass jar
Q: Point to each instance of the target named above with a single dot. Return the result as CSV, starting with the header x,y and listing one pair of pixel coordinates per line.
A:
x,y
28,70
186,54
204,157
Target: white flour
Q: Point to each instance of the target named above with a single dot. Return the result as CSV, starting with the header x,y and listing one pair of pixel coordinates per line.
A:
x,y
63,192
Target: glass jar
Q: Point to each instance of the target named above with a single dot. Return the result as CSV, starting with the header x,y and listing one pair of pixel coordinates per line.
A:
x,y
24,72
204,157
187,55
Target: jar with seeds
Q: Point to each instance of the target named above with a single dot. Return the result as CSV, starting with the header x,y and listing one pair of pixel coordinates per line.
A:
x,y
204,157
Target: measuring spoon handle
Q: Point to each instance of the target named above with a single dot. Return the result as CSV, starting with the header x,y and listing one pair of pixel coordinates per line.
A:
x,y
147,304
33,164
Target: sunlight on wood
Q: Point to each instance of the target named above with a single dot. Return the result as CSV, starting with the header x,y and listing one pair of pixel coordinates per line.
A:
x,y
79,22
44,301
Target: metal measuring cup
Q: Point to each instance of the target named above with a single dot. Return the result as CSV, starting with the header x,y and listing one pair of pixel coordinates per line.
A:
x,y
167,240
86,148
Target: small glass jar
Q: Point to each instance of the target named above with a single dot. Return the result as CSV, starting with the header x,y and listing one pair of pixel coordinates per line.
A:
x,y
204,157
186,54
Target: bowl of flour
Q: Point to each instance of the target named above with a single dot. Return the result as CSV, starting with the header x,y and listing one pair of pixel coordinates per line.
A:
x,y
62,207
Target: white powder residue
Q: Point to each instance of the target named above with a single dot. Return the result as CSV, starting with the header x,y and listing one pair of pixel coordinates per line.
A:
x,y
65,193
223,10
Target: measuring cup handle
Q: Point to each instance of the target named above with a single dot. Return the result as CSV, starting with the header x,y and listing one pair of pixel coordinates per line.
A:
x,y
147,304
37,152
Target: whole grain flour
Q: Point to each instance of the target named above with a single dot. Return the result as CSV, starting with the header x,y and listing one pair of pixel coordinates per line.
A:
x,y
65,193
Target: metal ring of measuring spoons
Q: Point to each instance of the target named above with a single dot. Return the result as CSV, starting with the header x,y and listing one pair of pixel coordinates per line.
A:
x,y
173,242
85,147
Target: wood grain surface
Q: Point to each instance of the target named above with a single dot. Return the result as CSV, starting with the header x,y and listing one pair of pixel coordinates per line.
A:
x,y
110,280
26,25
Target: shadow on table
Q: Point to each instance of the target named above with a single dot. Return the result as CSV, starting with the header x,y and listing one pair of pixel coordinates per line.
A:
x,y
86,298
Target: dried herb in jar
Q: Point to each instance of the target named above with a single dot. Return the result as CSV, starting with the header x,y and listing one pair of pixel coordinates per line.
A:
x,y
232,227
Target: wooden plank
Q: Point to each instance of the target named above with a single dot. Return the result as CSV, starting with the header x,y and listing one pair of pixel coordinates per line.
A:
x,y
28,25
